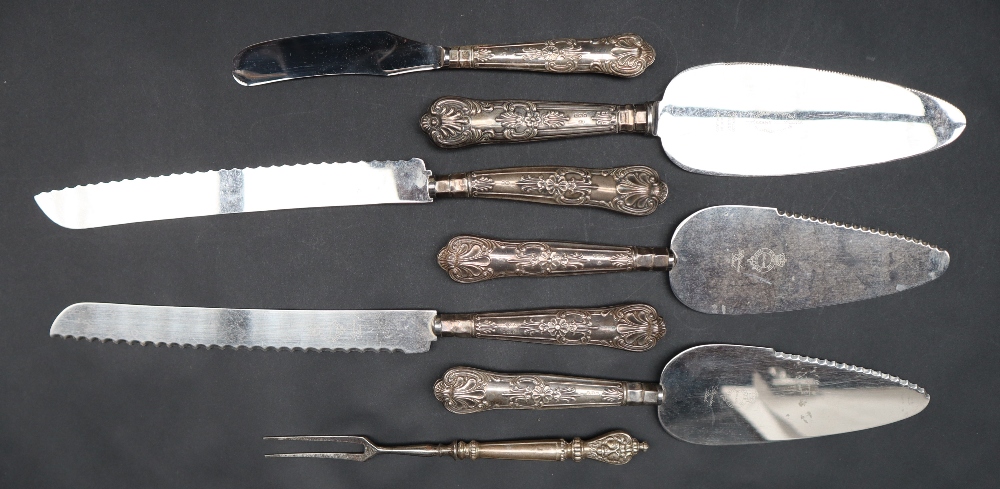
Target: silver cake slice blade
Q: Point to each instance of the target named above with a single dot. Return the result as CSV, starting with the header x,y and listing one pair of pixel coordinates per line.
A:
x,y
735,395
748,260
409,331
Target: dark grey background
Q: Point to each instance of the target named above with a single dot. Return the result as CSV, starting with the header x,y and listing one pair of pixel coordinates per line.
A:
x,y
98,91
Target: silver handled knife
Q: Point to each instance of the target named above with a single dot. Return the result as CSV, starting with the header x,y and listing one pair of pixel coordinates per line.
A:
x,y
631,327
739,119
712,395
386,54
634,190
728,259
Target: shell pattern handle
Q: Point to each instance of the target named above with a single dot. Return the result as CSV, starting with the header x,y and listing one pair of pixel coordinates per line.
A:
x,y
465,390
454,122
634,190
616,448
625,55
469,259
632,327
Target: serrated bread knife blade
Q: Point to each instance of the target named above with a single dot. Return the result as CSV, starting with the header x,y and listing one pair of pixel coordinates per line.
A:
x,y
711,395
738,119
631,327
633,190
729,259
385,54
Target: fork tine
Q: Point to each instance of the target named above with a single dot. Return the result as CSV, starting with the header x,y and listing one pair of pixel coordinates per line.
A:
x,y
354,457
334,438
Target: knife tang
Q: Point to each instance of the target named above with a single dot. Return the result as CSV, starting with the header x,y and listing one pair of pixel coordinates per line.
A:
x,y
634,190
454,122
632,327
465,390
469,259
625,55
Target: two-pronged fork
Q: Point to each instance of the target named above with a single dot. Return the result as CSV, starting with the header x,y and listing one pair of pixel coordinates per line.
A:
x,y
617,447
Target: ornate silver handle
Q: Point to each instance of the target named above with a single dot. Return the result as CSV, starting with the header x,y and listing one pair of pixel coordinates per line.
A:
x,y
632,327
617,448
454,122
466,390
635,190
469,259
624,55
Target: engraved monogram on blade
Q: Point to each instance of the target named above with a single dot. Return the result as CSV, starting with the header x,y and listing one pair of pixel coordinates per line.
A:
x,y
624,55
762,261
466,390
632,327
454,122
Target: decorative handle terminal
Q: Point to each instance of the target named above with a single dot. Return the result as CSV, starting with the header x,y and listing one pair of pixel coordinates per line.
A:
x,y
632,327
465,390
635,190
624,55
469,259
454,122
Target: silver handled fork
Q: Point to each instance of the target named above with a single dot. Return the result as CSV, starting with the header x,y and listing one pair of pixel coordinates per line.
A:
x,y
616,447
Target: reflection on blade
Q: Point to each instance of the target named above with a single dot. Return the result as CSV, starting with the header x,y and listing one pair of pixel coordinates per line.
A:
x,y
406,331
340,53
731,395
240,190
757,120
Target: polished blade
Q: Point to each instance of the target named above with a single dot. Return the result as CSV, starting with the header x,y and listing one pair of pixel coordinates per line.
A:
x,y
735,395
339,53
748,119
233,191
406,331
748,260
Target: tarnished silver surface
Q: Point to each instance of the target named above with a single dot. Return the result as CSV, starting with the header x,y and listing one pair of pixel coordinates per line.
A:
x,y
728,259
734,395
631,327
738,119
747,260
242,190
758,120
711,395
384,53
406,331
633,190
616,448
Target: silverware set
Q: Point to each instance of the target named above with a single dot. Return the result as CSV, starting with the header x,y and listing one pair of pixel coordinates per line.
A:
x,y
727,119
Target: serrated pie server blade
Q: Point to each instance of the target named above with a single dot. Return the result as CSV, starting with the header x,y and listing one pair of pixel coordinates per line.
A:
x,y
734,395
746,260
234,191
748,119
409,331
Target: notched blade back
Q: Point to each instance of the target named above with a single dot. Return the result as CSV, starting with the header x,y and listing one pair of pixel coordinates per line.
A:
x,y
407,331
748,119
735,395
339,53
748,260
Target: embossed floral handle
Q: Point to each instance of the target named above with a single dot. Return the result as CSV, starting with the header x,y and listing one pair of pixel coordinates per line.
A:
x,y
632,327
469,259
465,390
616,448
454,122
634,190
624,55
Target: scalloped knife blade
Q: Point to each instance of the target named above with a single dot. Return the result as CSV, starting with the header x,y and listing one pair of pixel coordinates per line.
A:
x,y
409,331
240,190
